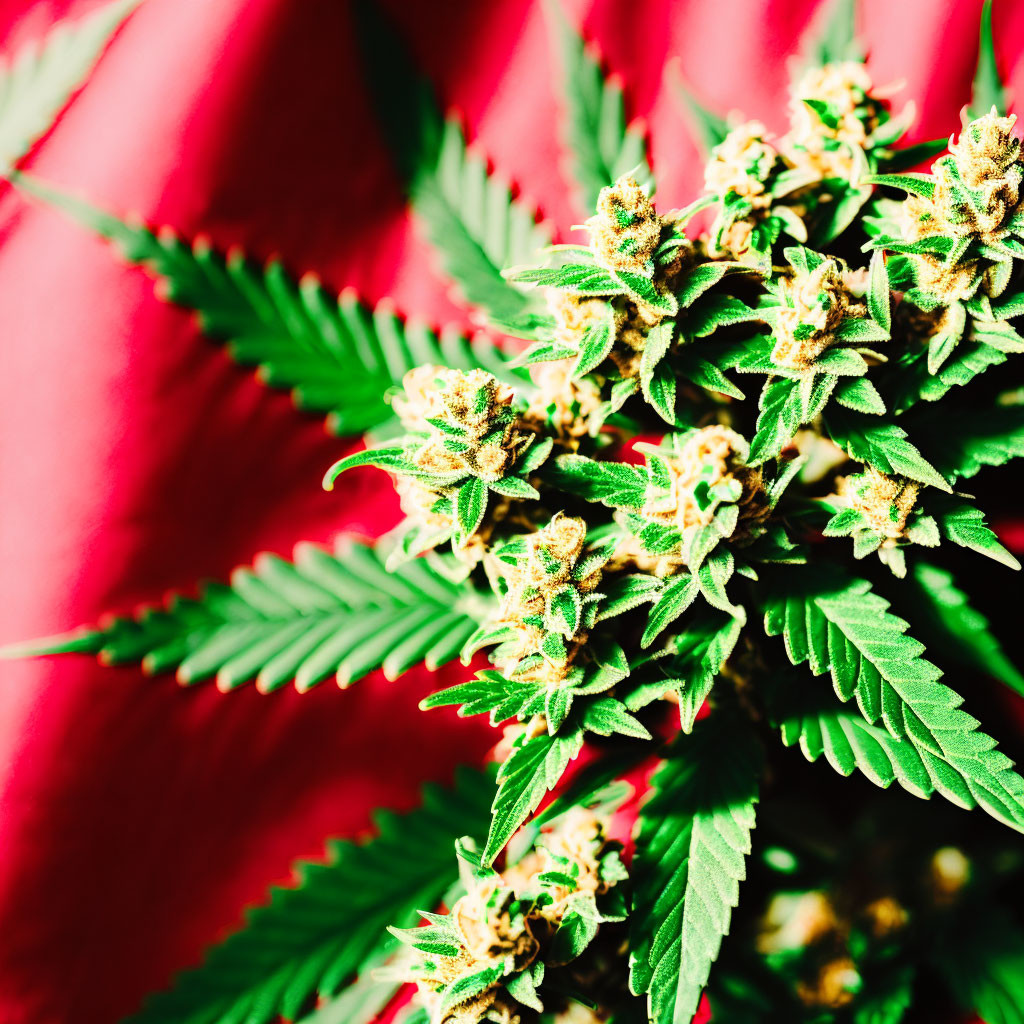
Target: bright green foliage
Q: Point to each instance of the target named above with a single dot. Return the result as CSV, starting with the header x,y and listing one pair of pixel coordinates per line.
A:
x,y
960,633
333,354
709,128
601,145
619,523
476,226
549,913
322,614
850,744
312,939
460,447
837,625
988,90
885,446
690,858
534,766
467,214
37,82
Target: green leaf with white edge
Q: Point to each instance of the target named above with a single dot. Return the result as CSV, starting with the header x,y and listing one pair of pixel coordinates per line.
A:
x,y
534,766
579,278
324,613
334,355
657,381
470,506
958,631
513,487
607,716
615,484
678,593
882,445
690,365
859,330
969,359
990,437
645,292
701,651
878,291
691,849
704,277
838,625
778,420
624,593
37,81
860,395
601,145
941,345
848,743
963,524
916,184
310,940
709,312
987,90
491,693
595,345
390,457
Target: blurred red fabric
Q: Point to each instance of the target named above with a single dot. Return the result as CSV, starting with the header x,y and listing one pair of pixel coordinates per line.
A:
x,y
139,819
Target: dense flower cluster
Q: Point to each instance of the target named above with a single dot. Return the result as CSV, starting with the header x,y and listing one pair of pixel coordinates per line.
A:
x,y
484,960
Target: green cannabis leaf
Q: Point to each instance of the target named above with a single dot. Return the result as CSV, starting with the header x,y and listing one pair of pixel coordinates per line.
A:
x,y
988,91
325,613
601,144
313,938
334,355
467,214
37,82
837,625
960,632
690,858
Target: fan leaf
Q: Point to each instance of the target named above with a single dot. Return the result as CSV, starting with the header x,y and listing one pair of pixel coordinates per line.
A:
x,y
323,613
601,145
334,354
37,82
837,625
312,939
693,838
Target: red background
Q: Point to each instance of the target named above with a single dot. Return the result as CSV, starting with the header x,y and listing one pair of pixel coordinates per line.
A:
x,y
136,820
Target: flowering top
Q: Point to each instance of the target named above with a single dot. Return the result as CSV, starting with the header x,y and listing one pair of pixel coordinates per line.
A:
x,y
882,513
621,307
487,958
956,238
464,440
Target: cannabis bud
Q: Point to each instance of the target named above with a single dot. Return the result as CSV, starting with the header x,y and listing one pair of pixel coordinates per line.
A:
x,y
485,959
626,229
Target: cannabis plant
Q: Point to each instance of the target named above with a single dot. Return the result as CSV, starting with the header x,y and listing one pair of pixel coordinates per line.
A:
x,y
700,512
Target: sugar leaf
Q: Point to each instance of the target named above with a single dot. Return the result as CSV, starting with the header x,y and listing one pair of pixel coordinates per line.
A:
x,y
534,766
